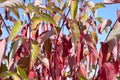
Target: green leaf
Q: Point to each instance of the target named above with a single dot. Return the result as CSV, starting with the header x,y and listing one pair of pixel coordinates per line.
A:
x,y
85,17
115,33
81,77
35,50
22,73
15,46
15,29
99,19
8,74
34,25
75,32
99,5
73,8
33,8
94,37
44,17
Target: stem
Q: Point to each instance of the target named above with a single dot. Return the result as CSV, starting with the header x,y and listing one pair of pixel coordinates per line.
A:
x,y
111,29
5,26
95,69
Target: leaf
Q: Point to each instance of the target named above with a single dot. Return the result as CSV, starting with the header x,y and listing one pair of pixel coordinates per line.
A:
x,y
73,8
45,62
34,25
35,50
85,17
44,36
8,74
2,49
21,72
44,17
15,46
94,37
48,46
99,19
111,1
24,63
105,24
33,8
15,29
81,77
75,33
114,34
99,5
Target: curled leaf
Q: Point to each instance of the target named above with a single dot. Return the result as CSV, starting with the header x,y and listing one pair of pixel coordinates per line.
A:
x,y
45,62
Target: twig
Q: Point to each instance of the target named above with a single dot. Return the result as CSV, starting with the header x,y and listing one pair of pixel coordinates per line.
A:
x,y
111,29
5,25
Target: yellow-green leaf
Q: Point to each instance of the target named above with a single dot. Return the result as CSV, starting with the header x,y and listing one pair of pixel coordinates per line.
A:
x,y
35,50
75,32
15,29
94,37
99,5
21,72
33,8
73,8
34,25
8,74
85,17
81,77
44,17
99,19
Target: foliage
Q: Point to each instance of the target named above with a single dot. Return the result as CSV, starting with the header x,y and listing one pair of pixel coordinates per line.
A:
x,y
37,47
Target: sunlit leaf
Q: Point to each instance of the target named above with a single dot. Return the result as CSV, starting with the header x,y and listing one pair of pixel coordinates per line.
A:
x,y
99,19
81,77
35,50
8,74
94,37
2,49
34,25
73,8
45,62
75,33
44,17
85,17
99,5
15,29
33,8
114,34
21,72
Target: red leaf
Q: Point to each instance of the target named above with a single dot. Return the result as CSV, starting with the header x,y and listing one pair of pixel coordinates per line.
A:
x,y
91,48
32,74
111,1
2,49
103,25
80,52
